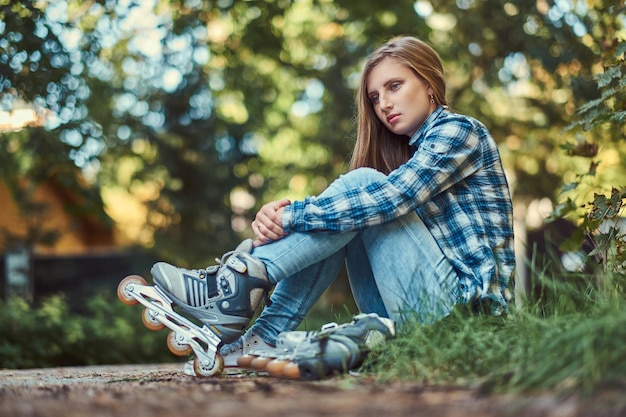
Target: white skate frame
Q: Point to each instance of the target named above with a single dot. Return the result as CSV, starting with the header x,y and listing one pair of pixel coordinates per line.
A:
x,y
186,332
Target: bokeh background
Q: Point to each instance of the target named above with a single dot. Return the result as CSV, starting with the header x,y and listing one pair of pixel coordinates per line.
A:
x,y
137,131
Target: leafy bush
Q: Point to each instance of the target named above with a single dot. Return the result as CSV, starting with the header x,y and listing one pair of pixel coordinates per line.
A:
x,y
50,335
605,116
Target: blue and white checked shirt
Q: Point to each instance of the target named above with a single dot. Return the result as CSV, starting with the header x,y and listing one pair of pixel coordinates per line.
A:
x,y
456,184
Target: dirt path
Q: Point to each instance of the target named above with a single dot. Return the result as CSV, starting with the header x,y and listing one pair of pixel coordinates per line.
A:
x,y
162,391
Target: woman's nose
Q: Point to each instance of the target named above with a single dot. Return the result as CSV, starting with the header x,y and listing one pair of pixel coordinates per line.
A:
x,y
384,102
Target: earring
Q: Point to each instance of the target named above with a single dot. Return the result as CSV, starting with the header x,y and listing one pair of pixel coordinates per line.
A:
x,y
432,99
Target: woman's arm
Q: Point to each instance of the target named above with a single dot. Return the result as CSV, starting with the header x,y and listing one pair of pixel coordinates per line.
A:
x,y
448,153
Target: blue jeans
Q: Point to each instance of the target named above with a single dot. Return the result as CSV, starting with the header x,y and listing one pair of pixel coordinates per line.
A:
x,y
395,269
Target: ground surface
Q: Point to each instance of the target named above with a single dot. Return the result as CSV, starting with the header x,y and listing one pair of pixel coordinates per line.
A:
x,y
161,390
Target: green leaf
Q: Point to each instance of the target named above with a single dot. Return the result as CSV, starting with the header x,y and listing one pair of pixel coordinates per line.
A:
x,y
607,76
603,243
569,187
618,116
562,209
604,207
582,148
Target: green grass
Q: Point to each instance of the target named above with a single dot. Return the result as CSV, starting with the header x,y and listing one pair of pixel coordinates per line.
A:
x,y
571,337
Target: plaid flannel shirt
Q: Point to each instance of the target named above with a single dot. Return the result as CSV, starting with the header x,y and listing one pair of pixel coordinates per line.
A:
x,y
456,183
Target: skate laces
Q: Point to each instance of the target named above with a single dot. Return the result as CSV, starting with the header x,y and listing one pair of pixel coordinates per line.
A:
x,y
220,262
223,261
245,344
233,347
229,260
243,247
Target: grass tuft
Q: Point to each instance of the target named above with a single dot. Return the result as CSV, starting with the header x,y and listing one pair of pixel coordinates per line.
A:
x,y
572,336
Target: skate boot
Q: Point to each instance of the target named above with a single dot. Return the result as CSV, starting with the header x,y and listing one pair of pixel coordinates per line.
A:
x,y
222,297
335,348
259,357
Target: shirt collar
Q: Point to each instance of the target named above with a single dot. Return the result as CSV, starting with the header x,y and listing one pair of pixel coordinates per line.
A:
x,y
425,126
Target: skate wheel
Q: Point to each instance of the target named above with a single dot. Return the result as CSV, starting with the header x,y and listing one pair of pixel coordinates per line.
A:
x,y
203,371
245,361
176,347
291,370
123,294
150,321
260,362
312,369
275,367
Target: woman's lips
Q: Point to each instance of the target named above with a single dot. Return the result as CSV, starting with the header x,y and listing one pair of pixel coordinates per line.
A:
x,y
392,118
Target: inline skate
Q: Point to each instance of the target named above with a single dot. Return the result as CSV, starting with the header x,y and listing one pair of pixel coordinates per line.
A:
x,y
317,354
223,298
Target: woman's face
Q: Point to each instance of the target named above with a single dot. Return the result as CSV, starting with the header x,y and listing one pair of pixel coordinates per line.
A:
x,y
400,99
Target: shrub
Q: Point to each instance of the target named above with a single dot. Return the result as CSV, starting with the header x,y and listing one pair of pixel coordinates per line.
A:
x,y
50,335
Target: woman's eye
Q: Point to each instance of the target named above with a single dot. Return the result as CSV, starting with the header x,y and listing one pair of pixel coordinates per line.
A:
x,y
374,99
395,86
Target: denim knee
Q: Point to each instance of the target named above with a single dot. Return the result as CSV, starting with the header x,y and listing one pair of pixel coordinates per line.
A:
x,y
361,176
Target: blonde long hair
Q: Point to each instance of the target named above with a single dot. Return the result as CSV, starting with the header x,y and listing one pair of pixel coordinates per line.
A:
x,y
376,146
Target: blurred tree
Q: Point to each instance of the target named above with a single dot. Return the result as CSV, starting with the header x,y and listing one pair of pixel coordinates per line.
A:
x,y
38,71
203,109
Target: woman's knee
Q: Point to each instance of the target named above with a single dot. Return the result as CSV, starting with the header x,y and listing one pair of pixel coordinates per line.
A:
x,y
353,179
361,176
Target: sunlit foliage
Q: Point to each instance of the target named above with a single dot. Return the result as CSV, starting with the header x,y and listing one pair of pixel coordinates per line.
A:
x,y
189,114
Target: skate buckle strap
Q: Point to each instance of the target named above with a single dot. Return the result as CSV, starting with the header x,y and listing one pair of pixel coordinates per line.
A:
x,y
235,263
329,326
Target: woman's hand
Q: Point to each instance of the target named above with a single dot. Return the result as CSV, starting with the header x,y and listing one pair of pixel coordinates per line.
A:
x,y
268,223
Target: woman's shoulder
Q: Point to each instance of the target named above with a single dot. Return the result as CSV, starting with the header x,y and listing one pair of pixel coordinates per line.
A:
x,y
455,125
447,116
445,124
